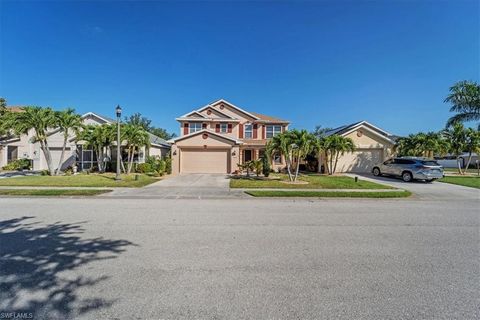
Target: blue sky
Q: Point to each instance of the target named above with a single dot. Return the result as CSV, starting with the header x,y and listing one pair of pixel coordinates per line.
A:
x,y
327,63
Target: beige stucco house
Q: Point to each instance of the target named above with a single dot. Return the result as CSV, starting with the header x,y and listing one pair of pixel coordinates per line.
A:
x,y
218,136
22,147
373,145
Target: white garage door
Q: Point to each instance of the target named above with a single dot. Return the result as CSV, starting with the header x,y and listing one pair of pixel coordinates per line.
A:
x,y
204,161
361,160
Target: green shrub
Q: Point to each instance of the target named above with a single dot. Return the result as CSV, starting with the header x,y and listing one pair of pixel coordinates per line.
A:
x,y
168,165
265,165
145,167
161,167
19,164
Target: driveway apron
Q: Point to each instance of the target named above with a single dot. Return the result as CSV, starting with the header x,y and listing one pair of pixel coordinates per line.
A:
x,y
187,186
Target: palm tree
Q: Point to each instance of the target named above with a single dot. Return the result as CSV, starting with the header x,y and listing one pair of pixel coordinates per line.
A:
x,y
472,144
303,144
282,144
136,137
465,100
68,121
333,147
39,121
457,137
99,138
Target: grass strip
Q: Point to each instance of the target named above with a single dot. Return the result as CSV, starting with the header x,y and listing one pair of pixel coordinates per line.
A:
x,y
80,180
51,192
472,182
329,194
314,181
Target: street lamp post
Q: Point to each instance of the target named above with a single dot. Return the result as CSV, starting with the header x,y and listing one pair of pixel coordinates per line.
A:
x,y
118,111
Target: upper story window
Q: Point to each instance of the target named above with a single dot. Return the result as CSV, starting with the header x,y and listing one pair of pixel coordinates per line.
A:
x,y
224,127
194,127
248,131
273,130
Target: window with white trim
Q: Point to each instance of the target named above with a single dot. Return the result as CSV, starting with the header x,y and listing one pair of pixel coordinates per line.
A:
x,y
224,127
273,130
194,127
248,131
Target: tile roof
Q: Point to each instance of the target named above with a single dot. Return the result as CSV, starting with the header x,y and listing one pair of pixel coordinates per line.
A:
x,y
267,118
157,140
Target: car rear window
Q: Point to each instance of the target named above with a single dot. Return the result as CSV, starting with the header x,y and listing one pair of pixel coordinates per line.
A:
x,y
430,163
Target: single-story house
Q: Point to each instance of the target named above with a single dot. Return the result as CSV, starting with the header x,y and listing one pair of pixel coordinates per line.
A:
x,y
22,147
373,145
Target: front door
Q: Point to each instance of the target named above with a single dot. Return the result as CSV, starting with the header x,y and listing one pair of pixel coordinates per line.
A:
x,y
247,155
12,153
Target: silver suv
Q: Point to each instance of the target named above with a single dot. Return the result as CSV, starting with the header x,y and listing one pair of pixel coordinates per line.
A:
x,y
410,168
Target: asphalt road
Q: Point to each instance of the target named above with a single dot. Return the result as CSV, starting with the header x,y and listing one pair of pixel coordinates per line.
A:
x,y
241,258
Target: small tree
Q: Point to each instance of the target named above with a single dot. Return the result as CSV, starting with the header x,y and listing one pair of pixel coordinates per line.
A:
x,y
100,139
457,136
333,147
257,166
472,144
266,165
136,137
68,121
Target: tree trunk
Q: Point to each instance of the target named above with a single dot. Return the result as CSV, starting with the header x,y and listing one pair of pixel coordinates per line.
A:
x,y
48,156
468,161
289,165
459,166
130,160
65,138
298,168
336,161
332,155
327,167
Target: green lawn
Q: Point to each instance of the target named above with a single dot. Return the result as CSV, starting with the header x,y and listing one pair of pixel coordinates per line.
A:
x,y
329,194
80,180
314,182
51,192
473,182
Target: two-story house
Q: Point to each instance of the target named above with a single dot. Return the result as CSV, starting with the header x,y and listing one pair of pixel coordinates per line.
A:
x,y
220,135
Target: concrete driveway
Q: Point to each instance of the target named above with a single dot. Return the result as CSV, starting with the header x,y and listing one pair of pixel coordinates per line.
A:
x,y
187,186
427,191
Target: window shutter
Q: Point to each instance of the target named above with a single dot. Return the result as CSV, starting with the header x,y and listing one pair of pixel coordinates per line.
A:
x,y
229,128
255,133
240,131
185,128
263,132
204,126
217,127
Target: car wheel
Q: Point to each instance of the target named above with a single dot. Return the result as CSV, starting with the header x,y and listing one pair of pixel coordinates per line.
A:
x,y
376,172
407,176
430,180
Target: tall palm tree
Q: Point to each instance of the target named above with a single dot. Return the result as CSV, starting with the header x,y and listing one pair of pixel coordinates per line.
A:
x,y
136,137
68,122
465,100
457,137
39,121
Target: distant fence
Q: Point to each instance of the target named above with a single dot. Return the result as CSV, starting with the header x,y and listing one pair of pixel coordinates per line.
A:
x,y
451,163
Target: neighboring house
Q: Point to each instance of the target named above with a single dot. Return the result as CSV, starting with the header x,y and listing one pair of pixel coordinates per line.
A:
x,y
76,151
220,135
373,145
